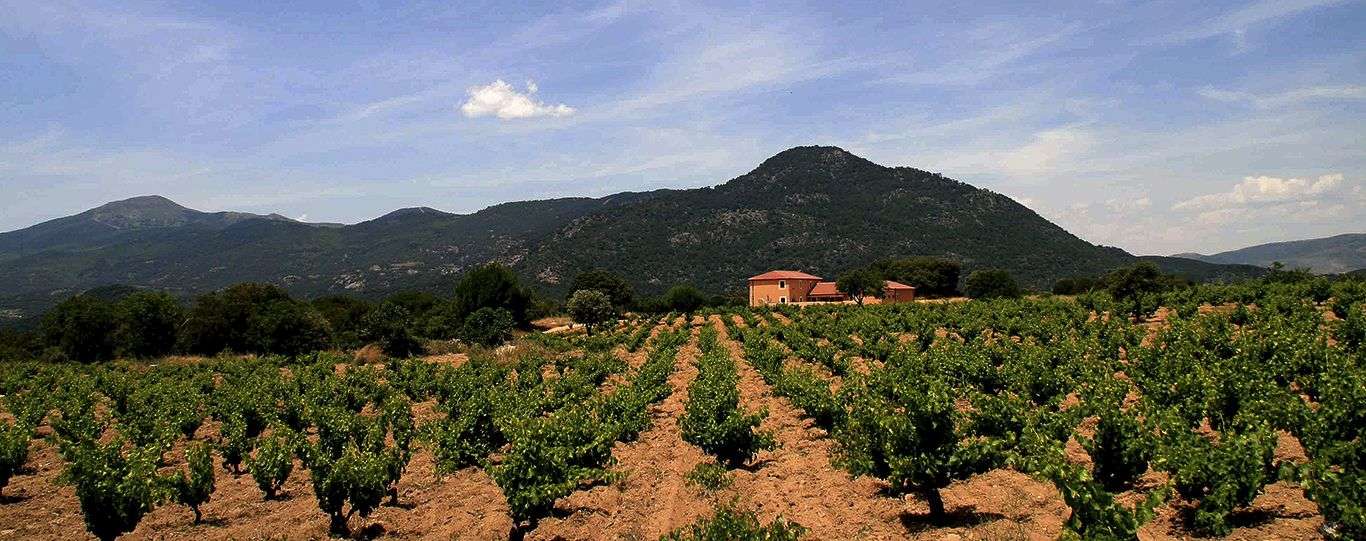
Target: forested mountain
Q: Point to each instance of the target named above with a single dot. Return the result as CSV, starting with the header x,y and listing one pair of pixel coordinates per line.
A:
x,y
1336,254
819,209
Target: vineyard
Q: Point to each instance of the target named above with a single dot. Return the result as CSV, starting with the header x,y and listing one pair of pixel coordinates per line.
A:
x,y
1231,412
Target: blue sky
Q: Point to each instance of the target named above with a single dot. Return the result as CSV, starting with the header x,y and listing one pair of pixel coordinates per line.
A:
x,y
1158,127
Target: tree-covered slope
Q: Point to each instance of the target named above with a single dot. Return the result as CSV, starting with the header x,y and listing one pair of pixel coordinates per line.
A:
x,y
818,209
821,210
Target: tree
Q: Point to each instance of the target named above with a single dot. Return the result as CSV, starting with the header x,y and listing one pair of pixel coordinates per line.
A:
x,y
859,283
488,327
288,327
991,284
931,276
1075,285
684,298
149,323
615,287
82,328
1135,288
346,316
492,286
590,307
391,326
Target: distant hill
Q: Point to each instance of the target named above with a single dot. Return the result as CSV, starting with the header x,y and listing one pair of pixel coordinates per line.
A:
x,y
818,209
1331,255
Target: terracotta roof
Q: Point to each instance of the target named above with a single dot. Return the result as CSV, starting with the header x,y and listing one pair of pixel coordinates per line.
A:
x,y
784,275
824,289
896,285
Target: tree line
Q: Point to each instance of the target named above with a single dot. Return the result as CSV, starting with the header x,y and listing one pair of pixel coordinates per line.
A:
x,y
484,308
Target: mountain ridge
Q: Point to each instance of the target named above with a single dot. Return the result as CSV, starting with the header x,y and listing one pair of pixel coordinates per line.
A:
x,y
1325,255
820,209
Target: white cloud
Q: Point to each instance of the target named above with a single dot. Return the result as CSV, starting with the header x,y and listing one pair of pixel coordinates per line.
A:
x,y
1265,190
500,99
1048,152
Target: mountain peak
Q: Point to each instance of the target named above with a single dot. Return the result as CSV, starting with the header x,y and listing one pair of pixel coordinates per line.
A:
x,y
829,155
142,211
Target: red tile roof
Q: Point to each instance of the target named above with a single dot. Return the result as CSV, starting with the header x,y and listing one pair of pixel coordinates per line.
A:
x,y
784,275
896,285
824,289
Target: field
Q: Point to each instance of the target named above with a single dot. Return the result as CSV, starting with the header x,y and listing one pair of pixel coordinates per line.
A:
x,y
1235,416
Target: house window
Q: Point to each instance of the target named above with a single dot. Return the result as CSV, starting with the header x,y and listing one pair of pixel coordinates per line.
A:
x,y
782,300
782,284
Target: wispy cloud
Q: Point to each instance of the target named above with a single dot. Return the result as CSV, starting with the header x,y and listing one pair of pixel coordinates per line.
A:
x,y
1288,97
1237,22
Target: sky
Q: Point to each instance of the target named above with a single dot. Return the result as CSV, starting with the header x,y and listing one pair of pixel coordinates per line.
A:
x,y
1158,127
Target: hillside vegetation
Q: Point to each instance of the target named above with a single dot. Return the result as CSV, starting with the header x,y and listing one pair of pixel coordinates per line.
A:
x,y
819,209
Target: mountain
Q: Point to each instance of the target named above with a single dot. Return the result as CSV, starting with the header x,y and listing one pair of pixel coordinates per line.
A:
x,y
819,209
1330,255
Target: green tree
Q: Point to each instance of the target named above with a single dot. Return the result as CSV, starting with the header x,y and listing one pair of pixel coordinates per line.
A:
x,y
931,276
991,284
346,316
492,286
82,328
288,327
858,284
488,326
684,298
615,287
391,326
149,323
590,307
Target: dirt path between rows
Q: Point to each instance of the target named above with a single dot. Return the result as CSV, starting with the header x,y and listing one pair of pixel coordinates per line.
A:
x,y
654,497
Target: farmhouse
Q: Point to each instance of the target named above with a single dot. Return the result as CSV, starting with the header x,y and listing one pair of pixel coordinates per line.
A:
x,y
796,287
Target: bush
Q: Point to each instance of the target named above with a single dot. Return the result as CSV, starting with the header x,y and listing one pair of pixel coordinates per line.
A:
x,y
391,327
492,286
728,523
194,488
1075,286
13,450
590,307
274,461
711,418
115,488
991,284
488,327
346,316
709,476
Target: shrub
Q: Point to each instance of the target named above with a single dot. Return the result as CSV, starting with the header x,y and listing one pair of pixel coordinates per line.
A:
x,y
115,488
728,523
233,443
711,418
353,483
590,307
709,476
13,450
903,427
274,461
1121,446
549,457
488,326
194,488
991,284
391,326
